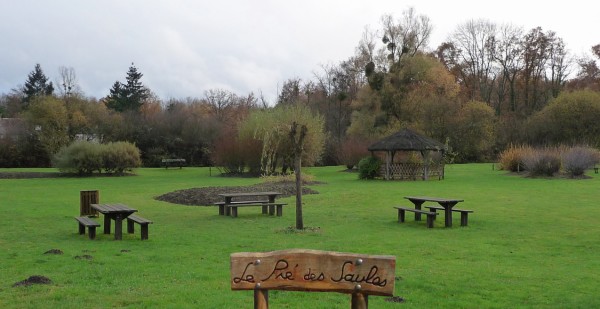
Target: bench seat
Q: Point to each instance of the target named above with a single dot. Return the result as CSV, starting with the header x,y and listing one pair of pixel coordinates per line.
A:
x,y
271,206
173,162
464,213
143,222
84,222
403,210
240,202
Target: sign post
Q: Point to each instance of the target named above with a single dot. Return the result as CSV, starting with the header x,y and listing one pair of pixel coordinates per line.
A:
x,y
313,271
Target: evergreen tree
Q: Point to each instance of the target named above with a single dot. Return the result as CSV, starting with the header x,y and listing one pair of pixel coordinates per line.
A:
x,y
37,85
128,96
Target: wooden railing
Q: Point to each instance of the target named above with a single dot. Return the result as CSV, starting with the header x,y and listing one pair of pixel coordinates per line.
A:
x,y
412,171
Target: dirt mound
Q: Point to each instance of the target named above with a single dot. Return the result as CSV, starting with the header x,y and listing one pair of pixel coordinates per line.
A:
x,y
208,195
54,251
395,299
33,280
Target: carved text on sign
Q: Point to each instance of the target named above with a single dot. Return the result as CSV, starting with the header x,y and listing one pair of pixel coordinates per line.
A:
x,y
312,270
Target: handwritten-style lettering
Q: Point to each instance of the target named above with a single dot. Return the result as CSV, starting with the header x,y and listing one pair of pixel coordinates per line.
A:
x,y
244,277
279,271
370,278
310,276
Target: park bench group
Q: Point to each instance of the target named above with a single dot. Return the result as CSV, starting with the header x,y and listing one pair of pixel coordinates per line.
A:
x,y
229,207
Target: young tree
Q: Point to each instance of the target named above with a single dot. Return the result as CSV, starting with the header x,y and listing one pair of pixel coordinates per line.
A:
x,y
36,85
297,140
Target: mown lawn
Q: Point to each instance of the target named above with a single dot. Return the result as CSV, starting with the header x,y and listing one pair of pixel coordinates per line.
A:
x,y
531,243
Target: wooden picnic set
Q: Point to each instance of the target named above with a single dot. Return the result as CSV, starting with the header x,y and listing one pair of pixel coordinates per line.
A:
x,y
90,207
446,205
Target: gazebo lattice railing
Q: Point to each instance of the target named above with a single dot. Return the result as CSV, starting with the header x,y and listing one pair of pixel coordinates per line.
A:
x,y
412,171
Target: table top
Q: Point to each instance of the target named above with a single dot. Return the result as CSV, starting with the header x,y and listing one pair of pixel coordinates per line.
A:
x,y
113,208
434,199
248,194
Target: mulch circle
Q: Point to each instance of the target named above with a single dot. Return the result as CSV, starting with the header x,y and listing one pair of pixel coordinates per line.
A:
x,y
33,280
207,196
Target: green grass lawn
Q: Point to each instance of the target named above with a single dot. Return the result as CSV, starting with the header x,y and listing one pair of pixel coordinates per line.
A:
x,y
531,243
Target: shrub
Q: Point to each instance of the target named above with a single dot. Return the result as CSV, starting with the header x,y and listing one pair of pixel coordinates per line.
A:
x,y
542,162
577,159
80,157
119,157
511,159
368,168
227,153
352,150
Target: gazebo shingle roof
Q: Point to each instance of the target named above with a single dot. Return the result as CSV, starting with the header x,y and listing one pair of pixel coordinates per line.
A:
x,y
407,139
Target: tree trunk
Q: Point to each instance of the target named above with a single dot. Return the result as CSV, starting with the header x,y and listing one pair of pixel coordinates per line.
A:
x,y
298,144
298,171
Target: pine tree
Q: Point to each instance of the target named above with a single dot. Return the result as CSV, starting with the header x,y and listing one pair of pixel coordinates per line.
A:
x,y
37,85
128,96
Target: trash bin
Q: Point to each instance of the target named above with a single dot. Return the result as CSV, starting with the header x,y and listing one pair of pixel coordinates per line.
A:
x,y
86,198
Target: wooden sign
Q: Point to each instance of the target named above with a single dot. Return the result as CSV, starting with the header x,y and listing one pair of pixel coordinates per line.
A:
x,y
313,270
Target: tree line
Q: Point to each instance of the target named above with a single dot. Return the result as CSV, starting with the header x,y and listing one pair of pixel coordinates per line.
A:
x,y
487,87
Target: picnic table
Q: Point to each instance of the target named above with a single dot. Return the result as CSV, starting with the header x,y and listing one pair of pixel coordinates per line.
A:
x,y
116,212
446,203
265,199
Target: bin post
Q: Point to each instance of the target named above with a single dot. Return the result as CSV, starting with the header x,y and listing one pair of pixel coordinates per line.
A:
x,y
86,198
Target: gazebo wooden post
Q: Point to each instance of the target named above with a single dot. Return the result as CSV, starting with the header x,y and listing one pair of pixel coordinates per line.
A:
x,y
425,156
388,168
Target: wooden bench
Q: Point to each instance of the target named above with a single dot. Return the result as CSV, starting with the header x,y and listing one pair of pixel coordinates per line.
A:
x,y
173,162
464,213
143,222
90,224
271,206
430,215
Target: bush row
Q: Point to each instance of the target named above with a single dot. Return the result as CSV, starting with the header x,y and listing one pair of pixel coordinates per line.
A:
x,y
548,161
85,158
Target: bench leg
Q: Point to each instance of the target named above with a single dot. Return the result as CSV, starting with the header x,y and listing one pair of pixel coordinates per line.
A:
x,y
264,210
227,210
106,224
92,232
233,211
434,211
279,210
430,219
401,215
130,228
144,231
81,229
464,216
221,210
271,210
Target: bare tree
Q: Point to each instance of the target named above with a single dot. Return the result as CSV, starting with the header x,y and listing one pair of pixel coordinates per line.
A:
x,y
473,41
220,101
405,36
508,52
68,85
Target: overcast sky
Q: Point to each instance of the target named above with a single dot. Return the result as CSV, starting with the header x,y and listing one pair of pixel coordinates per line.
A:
x,y
184,47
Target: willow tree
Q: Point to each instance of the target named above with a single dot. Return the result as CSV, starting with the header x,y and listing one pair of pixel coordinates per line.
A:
x,y
271,128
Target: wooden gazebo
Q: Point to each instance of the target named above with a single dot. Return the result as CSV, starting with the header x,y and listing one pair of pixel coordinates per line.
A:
x,y
408,140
